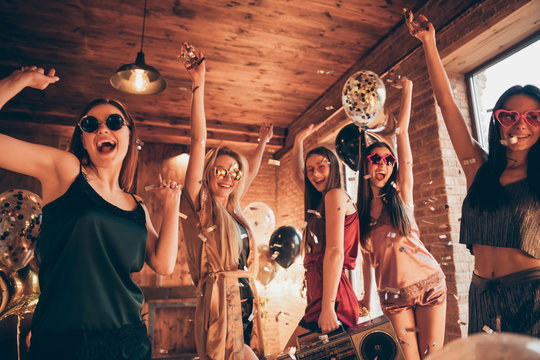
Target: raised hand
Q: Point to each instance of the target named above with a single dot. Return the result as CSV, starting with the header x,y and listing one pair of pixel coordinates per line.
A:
x,y
197,71
420,28
266,131
36,78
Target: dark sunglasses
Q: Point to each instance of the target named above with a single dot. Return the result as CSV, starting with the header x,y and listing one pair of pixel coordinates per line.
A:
x,y
90,123
507,118
376,159
221,173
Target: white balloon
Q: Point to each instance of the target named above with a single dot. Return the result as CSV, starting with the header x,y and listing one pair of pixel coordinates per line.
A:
x,y
261,220
495,346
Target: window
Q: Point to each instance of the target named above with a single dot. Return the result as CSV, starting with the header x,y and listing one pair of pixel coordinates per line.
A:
x,y
519,66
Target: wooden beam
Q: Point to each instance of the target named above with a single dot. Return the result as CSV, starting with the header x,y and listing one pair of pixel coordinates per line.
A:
x,y
400,44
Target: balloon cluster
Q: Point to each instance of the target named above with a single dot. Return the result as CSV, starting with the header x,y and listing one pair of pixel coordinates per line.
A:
x,y
279,247
363,98
20,222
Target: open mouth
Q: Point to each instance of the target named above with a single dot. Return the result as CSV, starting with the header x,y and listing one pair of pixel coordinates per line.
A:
x,y
106,146
379,176
225,186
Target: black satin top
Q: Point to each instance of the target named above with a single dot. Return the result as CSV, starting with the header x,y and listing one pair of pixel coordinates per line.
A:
x,y
87,250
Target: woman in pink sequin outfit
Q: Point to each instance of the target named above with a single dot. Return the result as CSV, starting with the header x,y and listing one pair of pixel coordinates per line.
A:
x,y
410,283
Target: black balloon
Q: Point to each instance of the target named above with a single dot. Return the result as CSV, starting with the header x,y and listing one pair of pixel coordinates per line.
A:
x,y
285,245
347,145
347,141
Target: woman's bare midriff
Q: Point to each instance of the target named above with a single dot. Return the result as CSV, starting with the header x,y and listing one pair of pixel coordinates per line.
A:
x,y
492,262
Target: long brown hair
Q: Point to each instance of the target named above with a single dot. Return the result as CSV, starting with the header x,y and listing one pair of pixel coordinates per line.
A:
x,y
392,202
129,165
313,198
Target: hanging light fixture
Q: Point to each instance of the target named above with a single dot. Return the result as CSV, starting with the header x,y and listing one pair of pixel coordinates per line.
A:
x,y
139,78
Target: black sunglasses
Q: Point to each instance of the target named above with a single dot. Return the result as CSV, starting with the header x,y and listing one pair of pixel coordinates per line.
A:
x,y
90,123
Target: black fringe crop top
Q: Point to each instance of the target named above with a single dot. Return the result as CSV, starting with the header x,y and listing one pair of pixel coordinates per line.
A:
x,y
515,224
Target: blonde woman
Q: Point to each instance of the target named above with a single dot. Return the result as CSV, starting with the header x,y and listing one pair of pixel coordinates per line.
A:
x,y
220,248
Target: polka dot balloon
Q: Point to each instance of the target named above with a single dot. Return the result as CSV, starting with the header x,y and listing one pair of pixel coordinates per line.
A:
x,y
363,97
20,222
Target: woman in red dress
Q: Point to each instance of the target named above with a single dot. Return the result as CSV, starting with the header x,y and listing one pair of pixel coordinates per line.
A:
x,y
330,241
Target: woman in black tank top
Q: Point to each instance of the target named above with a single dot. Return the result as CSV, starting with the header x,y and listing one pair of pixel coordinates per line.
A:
x,y
94,232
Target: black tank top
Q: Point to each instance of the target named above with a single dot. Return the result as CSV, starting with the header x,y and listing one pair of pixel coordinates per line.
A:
x,y
87,250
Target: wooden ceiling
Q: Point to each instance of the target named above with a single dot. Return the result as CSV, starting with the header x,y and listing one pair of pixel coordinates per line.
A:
x,y
267,60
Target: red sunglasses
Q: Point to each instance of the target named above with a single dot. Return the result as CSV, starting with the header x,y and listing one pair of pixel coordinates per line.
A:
x,y
376,159
507,118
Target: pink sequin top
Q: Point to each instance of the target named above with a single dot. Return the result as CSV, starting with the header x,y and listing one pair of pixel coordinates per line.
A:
x,y
399,261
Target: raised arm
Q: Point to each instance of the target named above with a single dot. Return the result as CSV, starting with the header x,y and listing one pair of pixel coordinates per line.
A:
x,y
298,153
195,168
469,152
266,132
335,207
162,248
406,180
54,168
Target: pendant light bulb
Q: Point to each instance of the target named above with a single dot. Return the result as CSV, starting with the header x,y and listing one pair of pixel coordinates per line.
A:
x,y
139,79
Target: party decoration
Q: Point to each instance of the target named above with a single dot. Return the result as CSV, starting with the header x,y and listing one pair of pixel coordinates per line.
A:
x,y
496,346
347,141
285,245
23,291
20,222
267,267
262,221
188,55
363,97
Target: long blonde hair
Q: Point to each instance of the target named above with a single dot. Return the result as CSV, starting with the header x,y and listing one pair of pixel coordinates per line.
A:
x,y
224,219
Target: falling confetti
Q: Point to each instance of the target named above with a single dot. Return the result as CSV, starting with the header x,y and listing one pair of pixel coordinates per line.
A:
x,y
443,237
366,177
182,215
391,235
211,228
329,107
202,237
487,329
315,212
471,161
274,162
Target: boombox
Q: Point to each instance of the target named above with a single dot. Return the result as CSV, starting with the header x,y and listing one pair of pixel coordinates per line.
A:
x,y
371,340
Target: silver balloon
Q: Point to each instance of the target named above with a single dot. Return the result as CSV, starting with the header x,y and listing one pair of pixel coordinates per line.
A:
x,y
267,267
262,221
363,97
20,222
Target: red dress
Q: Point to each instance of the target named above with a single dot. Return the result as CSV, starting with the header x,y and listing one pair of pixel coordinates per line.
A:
x,y
315,242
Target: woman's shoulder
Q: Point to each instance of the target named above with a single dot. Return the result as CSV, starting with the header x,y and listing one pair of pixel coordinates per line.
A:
x,y
336,194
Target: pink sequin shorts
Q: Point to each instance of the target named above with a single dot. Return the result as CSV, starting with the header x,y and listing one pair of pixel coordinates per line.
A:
x,y
427,293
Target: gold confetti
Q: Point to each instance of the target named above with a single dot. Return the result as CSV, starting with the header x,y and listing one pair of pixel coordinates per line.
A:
x,y
366,177
274,162
211,228
202,237
182,215
470,161
329,107
487,329
443,237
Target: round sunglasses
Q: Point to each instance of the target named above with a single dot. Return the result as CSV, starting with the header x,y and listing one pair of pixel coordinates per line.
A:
x,y
90,123
507,118
376,159
221,173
